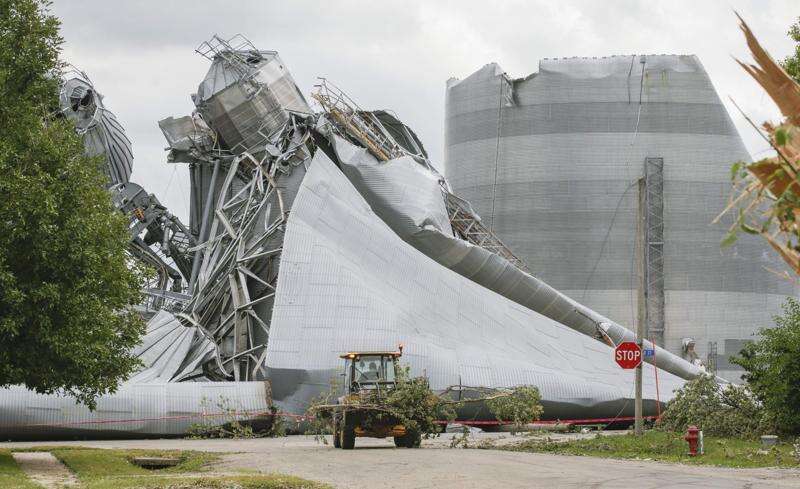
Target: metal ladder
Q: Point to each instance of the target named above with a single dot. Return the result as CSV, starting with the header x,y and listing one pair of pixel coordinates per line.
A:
x,y
357,123
468,226
237,52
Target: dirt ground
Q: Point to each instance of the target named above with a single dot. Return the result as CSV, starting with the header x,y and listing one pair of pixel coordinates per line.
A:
x,y
376,463
45,469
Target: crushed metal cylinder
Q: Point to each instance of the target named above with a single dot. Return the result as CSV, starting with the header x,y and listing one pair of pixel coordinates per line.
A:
x,y
316,232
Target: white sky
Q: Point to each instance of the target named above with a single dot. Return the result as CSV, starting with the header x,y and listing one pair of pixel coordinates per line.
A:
x,y
394,54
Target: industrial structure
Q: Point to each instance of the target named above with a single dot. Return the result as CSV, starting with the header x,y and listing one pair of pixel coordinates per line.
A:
x,y
320,230
604,175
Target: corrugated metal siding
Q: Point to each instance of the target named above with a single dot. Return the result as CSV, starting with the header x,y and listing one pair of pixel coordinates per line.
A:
x,y
135,409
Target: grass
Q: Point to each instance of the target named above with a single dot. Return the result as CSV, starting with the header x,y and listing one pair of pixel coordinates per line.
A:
x,y
11,476
111,468
99,462
667,447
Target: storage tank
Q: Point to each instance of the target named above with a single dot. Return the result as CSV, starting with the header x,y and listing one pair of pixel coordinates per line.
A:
x,y
247,93
555,163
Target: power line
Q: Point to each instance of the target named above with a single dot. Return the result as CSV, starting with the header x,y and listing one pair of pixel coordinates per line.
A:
x,y
605,240
497,149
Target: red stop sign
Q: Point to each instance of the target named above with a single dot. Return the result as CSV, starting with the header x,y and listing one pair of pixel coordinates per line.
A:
x,y
628,355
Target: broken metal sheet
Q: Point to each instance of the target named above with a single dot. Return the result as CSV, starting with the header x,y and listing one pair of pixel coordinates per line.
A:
x,y
406,196
157,400
345,118
189,138
404,135
135,410
348,282
404,193
171,352
251,102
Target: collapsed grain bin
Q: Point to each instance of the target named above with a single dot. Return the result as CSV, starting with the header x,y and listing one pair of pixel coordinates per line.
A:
x,y
315,233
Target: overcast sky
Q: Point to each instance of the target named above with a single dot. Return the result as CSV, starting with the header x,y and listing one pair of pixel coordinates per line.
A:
x,y
394,54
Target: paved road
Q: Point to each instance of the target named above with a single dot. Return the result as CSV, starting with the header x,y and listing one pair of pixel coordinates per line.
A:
x,y
376,463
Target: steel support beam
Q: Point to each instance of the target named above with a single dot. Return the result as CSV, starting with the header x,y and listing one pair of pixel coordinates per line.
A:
x,y
204,226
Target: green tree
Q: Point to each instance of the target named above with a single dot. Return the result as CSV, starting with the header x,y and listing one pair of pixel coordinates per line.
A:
x,y
718,410
772,365
65,287
521,406
792,63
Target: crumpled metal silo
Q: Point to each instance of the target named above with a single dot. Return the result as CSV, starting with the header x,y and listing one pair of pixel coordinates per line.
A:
x,y
102,134
317,234
247,94
553,161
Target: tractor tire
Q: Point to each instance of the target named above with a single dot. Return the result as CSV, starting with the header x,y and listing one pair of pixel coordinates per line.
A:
x,y
409,440
348,435
337,441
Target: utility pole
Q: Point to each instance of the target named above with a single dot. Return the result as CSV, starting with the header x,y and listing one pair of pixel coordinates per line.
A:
x,y
642,299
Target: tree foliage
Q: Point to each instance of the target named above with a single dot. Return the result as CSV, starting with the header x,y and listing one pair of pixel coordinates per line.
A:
x,y
225,425
416,406
225,421
792,62
772,365
410,402
766,194
64,282
521,406
727,411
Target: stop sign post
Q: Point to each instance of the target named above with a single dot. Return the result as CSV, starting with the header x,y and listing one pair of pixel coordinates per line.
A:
x,y
628,355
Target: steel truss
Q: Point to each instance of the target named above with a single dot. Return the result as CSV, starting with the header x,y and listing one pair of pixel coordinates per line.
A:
x,y
239,269
654,249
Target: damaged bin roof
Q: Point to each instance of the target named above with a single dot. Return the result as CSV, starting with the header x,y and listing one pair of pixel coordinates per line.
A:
x,y
315,233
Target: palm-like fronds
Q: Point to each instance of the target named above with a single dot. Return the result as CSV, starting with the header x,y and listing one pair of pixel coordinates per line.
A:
x,y
767,192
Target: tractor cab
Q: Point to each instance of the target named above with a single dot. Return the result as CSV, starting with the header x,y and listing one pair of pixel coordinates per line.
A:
x,y
370,370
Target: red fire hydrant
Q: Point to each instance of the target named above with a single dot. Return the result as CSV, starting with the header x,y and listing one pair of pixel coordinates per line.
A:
x,y
692,436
